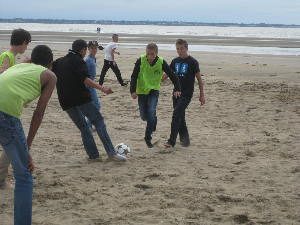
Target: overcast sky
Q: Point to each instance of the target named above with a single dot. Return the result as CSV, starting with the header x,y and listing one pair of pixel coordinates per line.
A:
x,y
237,11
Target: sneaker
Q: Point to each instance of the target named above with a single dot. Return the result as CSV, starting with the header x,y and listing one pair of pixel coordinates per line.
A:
x,y
125,83
118,158
148,143
98,159
168,145
185,143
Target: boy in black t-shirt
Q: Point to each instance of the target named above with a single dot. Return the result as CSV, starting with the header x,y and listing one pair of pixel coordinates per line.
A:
x,y
75,98
186,68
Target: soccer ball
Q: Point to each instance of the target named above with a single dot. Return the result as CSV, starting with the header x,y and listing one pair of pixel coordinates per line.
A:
x,y
122,149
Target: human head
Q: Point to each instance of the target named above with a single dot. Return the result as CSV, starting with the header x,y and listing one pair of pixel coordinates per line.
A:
x,y
80,46
115,37
42,55
151,52
182,48
19,40
93,47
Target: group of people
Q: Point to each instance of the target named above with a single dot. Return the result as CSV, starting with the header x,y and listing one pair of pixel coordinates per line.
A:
x,y
74,78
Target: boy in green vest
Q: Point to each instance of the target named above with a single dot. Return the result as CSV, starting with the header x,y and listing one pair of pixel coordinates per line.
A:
x,y
19,41
145,85
19,85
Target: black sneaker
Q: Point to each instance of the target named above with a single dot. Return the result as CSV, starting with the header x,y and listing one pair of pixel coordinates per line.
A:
x,y
185,143
124,83
148,143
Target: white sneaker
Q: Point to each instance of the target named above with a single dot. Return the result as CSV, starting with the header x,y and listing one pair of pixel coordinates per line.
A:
x,y
119,158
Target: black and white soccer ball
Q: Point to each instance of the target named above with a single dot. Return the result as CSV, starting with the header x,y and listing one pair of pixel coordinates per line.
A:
x,y
122,149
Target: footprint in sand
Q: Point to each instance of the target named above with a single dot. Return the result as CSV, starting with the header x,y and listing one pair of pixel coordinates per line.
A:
x,y
240,219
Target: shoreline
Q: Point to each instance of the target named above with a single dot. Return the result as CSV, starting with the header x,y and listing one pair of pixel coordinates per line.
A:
x,y
164,39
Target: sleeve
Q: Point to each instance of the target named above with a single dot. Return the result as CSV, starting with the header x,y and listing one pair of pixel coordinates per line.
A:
x,y
134,76
114,46
171,75
196,67
172,66
81,70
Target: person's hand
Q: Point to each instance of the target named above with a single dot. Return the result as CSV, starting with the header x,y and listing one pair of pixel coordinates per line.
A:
x,y
133,95
30,164
114,63
177,94
164,77
202,99
106,90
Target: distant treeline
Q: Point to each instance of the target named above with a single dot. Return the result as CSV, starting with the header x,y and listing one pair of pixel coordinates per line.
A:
x,y
148,22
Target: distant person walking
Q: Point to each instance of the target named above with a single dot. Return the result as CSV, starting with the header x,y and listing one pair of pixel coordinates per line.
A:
x,y
109,61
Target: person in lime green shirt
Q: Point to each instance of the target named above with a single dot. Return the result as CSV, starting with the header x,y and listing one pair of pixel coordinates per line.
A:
x,y
19,41
19,85
145,85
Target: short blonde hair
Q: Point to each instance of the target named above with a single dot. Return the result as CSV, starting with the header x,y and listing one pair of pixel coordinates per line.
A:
x,y
152,46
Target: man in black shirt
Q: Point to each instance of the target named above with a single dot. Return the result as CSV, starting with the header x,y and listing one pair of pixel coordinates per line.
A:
x,y
145,84
186,68
74,97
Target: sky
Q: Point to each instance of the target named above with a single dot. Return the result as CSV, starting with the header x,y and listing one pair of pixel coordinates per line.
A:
x,y
214,11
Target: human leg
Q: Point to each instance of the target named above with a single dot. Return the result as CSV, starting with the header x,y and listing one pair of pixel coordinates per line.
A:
x,y
90,111
87,138
13,141
104,70
178,118
4,164
117,72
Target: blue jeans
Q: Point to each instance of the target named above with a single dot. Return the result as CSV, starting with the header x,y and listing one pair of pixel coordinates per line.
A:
x,y
78,114
178,124
13,141
95,101
147,107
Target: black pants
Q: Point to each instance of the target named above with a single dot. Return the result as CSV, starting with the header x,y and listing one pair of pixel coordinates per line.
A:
x,y
109,64
178,124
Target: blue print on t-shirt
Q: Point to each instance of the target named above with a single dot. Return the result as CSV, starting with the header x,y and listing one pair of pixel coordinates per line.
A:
x,y
181,69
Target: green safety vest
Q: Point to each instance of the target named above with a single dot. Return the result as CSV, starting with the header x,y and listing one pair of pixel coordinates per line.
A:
x,y
149,77
10,55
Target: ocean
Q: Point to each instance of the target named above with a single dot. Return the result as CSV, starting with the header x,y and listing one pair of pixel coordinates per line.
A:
x,y
247,32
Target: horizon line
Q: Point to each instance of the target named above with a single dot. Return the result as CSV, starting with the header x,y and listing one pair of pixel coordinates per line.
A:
x,y
154,22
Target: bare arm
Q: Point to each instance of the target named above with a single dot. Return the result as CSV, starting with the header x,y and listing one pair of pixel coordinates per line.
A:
x,y
201,88
90,83
48,81
5,65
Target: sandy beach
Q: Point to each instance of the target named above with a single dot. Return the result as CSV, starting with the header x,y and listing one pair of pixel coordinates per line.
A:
x,y
243,165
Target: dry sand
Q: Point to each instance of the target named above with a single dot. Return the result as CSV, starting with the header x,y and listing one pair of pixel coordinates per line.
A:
x,y
242,166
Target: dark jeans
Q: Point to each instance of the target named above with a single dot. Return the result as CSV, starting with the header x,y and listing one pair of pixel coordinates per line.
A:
x,y
109,64
178,124
147,106
89,110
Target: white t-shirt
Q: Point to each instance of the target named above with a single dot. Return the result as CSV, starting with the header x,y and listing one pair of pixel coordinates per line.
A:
x,y
108,50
